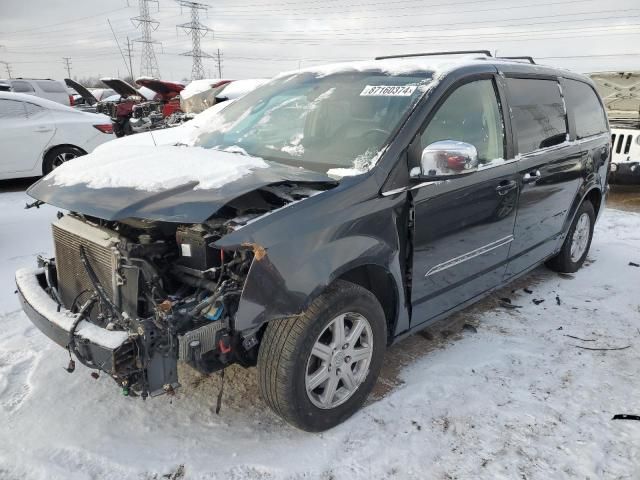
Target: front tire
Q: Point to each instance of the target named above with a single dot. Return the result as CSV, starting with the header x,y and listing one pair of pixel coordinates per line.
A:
x,y
576,246
315,370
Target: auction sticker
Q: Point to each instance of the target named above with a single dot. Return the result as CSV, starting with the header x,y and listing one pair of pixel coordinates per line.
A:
x,y
388,90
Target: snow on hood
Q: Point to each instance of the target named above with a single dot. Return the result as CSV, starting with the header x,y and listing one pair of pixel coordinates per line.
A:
x,y
155,168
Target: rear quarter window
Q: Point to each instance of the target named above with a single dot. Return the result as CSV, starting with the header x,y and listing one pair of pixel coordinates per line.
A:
x,y
587,110
538,113
21,86
51,86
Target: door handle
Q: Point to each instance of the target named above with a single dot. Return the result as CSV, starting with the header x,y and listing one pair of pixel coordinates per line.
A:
x,y
43,130
531,177
506,186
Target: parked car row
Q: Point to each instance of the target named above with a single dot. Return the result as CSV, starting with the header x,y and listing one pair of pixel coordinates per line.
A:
x,y
39,134
313,222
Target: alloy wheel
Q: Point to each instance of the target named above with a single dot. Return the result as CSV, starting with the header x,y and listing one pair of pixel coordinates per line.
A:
x,y
61,158
580,237
339,360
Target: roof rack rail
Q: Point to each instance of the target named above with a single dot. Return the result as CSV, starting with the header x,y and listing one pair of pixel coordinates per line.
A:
x,y
527,58
429,54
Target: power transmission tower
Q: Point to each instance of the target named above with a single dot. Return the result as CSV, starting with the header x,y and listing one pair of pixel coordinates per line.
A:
x,y
148,60
197,31
7,65
67,65
218,60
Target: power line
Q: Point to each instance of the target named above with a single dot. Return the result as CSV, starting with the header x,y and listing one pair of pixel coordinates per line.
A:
x,y
67,65
102,14
196,31
148,60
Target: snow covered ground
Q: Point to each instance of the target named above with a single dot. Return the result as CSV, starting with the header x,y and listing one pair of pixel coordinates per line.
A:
x,y
518,399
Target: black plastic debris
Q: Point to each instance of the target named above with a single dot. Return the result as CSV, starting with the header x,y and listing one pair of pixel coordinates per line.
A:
x,y
625,416
558,300
506,303
634,264
528,291
470,328
538,301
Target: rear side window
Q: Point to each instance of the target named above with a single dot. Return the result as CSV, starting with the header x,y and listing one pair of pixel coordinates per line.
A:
x,y
10,110
21,86
587,110
51,87
33,110
538,111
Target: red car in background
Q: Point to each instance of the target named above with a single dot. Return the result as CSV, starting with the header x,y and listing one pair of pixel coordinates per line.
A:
x,y
141,109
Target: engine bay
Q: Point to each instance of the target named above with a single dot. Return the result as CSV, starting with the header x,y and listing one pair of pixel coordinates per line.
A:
x,y
166,284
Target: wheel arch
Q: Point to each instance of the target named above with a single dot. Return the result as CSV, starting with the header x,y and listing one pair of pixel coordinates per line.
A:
x,y
59,145
592,193
381,283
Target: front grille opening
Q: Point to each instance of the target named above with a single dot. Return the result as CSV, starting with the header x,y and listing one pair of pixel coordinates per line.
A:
x,y
627,145
620,141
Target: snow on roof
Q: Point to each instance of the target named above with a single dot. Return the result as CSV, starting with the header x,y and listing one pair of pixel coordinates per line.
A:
x,y
155,168
199,86
392,66
240,88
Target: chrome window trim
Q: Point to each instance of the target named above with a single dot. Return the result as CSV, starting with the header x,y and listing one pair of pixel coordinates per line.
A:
x,y
469,255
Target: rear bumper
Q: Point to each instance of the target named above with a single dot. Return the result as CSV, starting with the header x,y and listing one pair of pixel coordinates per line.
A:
x,y
102,348
625,173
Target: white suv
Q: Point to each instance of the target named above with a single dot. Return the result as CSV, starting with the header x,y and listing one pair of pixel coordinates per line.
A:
x,y
44,88
620,92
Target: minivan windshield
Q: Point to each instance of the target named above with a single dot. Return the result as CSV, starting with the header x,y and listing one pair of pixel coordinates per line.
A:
x,y
317,121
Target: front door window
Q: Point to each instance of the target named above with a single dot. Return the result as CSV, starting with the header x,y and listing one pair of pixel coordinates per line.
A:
x,y
470,114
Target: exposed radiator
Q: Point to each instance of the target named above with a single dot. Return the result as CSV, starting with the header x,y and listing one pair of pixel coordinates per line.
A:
x,y
69,234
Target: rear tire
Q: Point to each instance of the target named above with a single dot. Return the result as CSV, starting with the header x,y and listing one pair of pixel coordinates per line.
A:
x,y
59,155
315,370
576,246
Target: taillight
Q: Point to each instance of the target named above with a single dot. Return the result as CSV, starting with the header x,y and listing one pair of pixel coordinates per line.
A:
x,y
71,102
105,127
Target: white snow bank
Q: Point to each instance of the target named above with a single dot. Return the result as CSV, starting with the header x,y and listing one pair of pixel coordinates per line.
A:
x,y
35,296
155,168
517,399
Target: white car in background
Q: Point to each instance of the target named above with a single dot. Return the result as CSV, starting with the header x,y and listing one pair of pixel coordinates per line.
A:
x,y
620,92
37,135
53,90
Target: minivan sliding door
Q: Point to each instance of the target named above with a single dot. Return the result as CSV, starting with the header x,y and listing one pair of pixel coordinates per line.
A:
x,y
549,168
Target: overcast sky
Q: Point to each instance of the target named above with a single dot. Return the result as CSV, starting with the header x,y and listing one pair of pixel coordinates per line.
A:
x,y
260,38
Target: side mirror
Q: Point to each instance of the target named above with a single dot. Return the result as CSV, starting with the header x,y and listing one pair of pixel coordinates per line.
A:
x,y
446,159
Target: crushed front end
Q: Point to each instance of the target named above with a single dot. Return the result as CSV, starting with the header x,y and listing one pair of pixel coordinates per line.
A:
x,y
133,298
